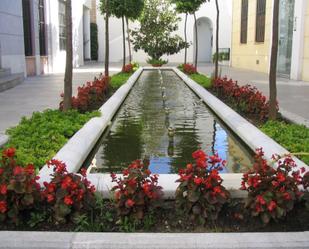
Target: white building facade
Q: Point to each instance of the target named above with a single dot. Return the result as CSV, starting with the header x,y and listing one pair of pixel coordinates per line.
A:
x,y
32,35
206,22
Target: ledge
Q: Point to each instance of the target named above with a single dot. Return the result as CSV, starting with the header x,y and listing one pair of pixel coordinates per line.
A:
x,y
69,240
251,135
76,150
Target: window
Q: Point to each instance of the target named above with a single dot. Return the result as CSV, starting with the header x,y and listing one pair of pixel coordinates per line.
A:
x,y
27,27
62,26
42,28
244,21
260,20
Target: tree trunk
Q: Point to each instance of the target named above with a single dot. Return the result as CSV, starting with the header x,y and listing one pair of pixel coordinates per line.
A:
x,y
273,64
217,42
106,73
185,31
196,41
67,99
123,43
129,41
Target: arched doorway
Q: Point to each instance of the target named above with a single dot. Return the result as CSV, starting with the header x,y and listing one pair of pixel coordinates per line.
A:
x,y
205,37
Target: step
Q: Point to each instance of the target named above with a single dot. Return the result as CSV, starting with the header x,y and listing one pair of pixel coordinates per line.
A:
x,y
10,81
4,72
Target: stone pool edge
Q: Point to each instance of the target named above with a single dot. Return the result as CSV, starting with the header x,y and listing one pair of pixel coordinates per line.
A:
x,y
76,150
73,154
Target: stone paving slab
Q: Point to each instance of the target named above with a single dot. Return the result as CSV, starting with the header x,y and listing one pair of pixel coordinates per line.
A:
x,y
41,92
57,240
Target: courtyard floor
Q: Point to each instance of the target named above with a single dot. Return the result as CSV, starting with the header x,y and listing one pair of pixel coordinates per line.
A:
x,y
42,92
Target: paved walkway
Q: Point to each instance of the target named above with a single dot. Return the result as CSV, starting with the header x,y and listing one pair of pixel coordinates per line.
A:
x,y
293,96
41,92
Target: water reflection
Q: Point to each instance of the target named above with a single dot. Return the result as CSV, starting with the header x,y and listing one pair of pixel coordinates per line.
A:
x,y
164,121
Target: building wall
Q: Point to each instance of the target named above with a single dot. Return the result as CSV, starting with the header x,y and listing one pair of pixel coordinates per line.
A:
x,y
57,56
207,10
305,71
253,54
11,36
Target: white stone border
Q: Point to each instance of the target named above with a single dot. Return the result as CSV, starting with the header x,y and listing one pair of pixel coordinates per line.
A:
x,y
76,150
250,134
70,240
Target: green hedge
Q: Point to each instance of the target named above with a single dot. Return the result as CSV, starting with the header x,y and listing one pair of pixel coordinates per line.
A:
x,y
119,79
294,138
201,79
38,138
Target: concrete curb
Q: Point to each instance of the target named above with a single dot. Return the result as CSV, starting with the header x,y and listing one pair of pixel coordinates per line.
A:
x,y
293,118
67,240
3,139
251,135
76,150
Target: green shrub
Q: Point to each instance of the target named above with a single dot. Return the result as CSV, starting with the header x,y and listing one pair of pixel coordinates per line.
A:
x,y
38,138
119,79
201,79
294,138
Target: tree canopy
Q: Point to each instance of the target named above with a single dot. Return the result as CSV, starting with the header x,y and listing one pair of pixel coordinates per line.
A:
x,y
155,34
188,7
129,8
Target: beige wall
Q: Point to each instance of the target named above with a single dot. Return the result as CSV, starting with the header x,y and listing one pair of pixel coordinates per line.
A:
x,y
305,74
246,55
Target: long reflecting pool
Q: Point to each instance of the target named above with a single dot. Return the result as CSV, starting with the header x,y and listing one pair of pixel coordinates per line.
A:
x,y
163,121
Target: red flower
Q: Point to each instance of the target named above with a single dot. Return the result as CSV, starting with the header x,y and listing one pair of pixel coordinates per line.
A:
x,y
260,200
198,181
1,171
271,206
217,190
287,196
3,207
83,172
10,152
280,177
68,200
66,182
3,189
17,170
130,203
50,198
125,172
132,182
29,169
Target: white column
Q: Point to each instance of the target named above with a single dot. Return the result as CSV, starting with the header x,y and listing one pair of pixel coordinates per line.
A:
x,y
36,36
298,39
86,35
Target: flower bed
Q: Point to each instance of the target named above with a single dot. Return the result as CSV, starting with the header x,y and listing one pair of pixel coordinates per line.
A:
x,y
252,105
191,71
38,138
292,136
246,99
69,202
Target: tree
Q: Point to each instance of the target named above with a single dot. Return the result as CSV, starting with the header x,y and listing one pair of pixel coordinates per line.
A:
x,y
189,7
217,42
67,98
273,64
157,23
134,9
104,7
124,10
